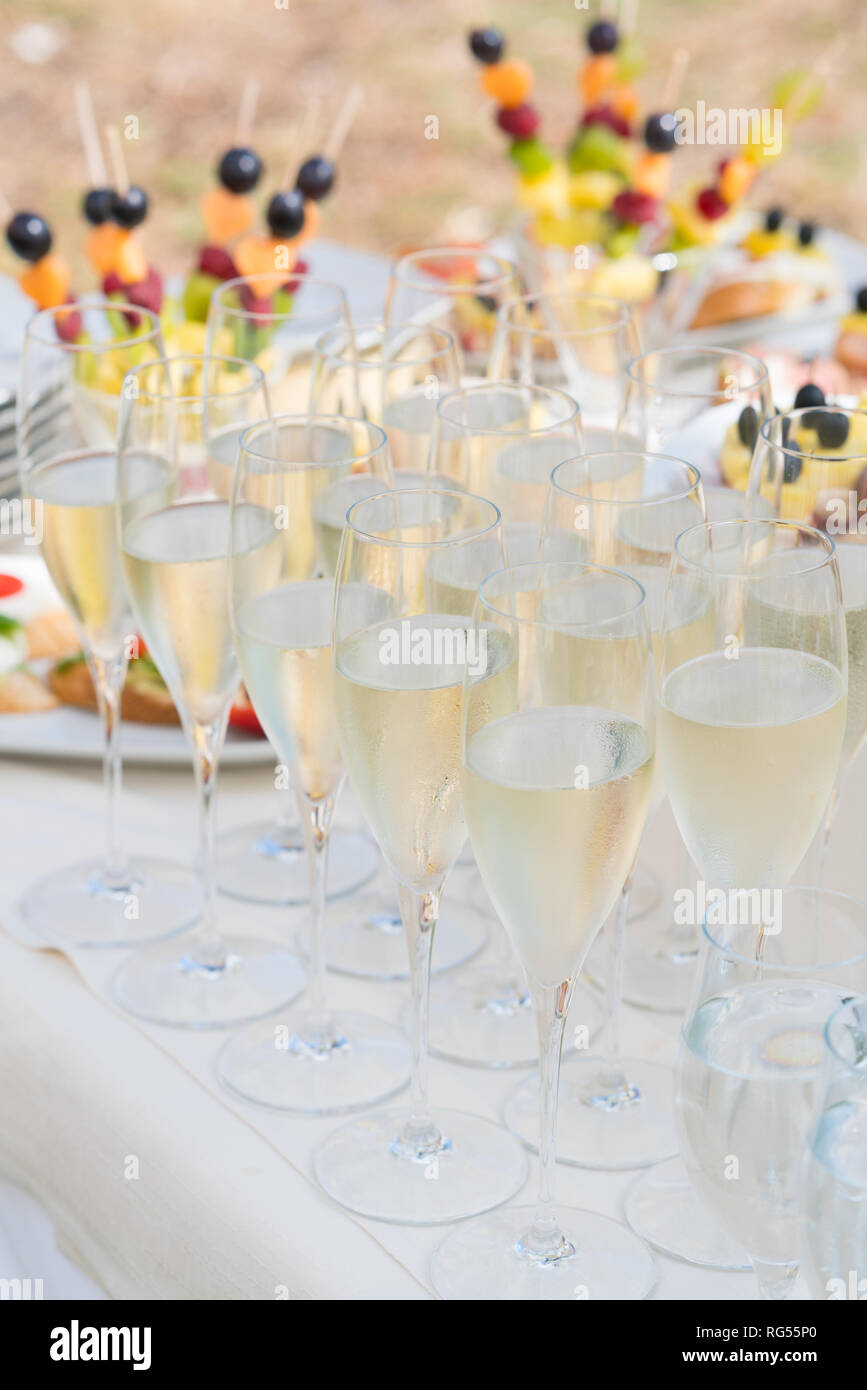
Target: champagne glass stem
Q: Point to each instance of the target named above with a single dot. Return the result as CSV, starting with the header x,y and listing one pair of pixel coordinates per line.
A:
x,y
612,1078
210,951
419,910
830,813
545,1242
316,819
108,677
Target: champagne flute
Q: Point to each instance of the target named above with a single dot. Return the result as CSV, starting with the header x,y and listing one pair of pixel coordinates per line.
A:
x,y
274,323
749,1064
802,478
699,404
501,440
313,1058
622,509
399,659
579,343
834,1186
394,379
177,418
750,736
556,788
68,405
458,288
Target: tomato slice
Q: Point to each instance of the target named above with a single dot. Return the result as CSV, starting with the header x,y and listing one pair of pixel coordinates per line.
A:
x,y
10,584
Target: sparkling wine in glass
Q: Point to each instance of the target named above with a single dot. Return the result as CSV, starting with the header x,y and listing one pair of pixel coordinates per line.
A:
x,y
556,790
275,323
176,415
68,405
314,1057
399,663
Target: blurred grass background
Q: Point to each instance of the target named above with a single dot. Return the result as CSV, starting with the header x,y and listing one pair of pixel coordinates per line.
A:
x,y
180,65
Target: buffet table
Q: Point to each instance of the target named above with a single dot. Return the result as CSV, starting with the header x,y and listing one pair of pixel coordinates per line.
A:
x,y
162,1185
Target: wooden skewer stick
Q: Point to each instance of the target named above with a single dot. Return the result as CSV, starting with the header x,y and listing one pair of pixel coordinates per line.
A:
x,y
247,111
343,123
302,140
627,20
118,163
674,81
96,169
817,71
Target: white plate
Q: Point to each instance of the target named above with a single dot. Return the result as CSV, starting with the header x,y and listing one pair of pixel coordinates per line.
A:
x,y
68,733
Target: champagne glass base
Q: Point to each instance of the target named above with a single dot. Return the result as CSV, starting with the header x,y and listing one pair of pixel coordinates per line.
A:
x,y
483,1017
163,985
282,1064
657,975
479,1168
663,1207
597,1129
262,863
364,938
485,1260
77,909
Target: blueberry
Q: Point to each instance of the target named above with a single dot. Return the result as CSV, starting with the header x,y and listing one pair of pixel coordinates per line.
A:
x,y
487,45
861,300
748,426
98,205
29,235
316,177
773,219
487,302
240,169
131,208
285,213
659,133
602,37
833,429
809,395
806,233
792,466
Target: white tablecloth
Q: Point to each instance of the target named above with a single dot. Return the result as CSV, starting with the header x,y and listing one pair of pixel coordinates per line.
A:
x,y
225,1205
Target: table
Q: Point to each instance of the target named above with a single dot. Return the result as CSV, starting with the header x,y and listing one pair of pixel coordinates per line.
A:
x,y
224,1205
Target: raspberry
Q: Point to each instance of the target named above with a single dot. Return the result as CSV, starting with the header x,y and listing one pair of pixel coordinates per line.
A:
x,y
214,260
518,121
711,205
632,206
605,115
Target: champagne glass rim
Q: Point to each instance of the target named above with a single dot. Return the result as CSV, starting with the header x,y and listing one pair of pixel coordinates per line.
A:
x,y
350,334
838,1021
691,533
824,895
41,320
311,421
403,266
656,499
635,373
539,393
621,313
256,380
796,416
566,569
463,538
271,315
